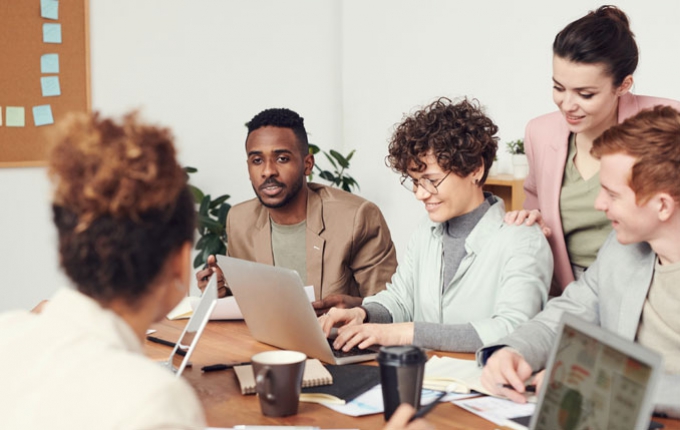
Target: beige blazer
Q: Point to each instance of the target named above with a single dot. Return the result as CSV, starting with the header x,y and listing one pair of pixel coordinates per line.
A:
x,y
546,145
349,247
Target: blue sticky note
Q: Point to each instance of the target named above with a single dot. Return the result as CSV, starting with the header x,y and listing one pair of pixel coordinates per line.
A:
x,y
49,63
52,33
49,9
50,86
42,115
15,116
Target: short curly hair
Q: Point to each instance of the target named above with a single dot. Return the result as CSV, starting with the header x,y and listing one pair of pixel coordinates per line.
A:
x,y
283,118
121,204
459,135
653,137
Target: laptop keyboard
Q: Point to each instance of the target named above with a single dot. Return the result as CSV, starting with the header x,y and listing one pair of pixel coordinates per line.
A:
x,y
339,353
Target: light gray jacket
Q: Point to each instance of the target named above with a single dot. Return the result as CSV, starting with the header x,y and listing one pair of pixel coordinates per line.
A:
x,y
502,282
611,294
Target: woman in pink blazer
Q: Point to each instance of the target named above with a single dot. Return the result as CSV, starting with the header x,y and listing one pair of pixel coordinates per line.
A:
x,y
594,59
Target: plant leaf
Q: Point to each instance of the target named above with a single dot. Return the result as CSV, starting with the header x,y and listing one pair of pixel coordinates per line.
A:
x,y
342,160
190,169
210,224
222,215
218,201
313,149
205,203
199,260
200,244
335,166
197,193
327,176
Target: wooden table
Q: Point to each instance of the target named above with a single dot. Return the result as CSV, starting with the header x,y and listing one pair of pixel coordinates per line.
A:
x,y
225,406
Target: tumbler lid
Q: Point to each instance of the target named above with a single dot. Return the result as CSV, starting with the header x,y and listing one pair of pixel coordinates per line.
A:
x,y
401,355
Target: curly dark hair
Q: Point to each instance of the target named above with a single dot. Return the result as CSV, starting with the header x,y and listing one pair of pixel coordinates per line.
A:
x,y
121,204
284,118
460,136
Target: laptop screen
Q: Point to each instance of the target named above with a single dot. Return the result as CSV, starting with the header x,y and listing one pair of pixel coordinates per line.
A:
x,y
596,382
194,328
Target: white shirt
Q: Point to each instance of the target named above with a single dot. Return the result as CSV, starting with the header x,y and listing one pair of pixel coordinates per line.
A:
x,y
80,366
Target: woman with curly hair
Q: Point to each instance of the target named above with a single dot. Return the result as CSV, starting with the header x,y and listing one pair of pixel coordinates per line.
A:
x,y
467,278
125,222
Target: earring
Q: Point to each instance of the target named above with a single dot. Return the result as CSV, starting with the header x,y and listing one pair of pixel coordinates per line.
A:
x,y
476,181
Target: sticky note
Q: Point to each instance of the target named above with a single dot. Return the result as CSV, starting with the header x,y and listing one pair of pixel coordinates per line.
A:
x,y
42,115
49,63
50,86
0,115
52,33
15,116
49,9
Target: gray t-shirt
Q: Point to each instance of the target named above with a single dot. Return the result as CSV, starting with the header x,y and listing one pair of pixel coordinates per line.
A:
x,y
289,247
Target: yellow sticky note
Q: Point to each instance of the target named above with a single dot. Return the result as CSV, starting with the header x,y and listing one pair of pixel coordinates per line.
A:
x,y
15,116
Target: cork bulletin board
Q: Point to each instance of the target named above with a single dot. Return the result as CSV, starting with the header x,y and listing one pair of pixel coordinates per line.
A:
x,y
44,73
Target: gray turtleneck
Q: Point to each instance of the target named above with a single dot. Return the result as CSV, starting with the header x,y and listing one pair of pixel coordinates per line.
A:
x,y
445,337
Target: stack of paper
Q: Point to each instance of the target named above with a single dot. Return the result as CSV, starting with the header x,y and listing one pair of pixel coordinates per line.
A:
x,y
453,374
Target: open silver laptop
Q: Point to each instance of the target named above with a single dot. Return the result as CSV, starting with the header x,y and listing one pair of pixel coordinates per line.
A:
x,y
595,379
278,312
194,328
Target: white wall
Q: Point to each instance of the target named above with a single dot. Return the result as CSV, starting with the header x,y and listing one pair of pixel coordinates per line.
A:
x,y
352,68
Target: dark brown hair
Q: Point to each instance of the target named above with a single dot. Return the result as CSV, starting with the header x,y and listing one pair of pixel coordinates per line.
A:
x,y
120,204
602,36
653,137
460,136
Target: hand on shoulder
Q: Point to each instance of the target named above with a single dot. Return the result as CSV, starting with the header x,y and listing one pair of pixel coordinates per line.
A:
x,y
527,217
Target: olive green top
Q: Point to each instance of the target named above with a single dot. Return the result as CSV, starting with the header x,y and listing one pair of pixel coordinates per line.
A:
x,y
289,247
585,228
659,327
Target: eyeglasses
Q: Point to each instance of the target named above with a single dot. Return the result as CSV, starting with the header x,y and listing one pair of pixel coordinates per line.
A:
x,y
428,185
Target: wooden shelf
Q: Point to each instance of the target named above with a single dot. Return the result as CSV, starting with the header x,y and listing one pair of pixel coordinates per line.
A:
x,y
507,187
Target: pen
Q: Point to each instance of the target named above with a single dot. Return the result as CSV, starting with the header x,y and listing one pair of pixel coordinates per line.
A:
x,y
214,367
166,343
531,388
427,408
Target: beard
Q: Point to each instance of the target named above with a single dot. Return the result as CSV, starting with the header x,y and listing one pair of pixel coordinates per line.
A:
x,y
289,193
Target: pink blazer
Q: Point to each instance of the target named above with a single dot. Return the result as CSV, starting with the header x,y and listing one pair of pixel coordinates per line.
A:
x,y
546,145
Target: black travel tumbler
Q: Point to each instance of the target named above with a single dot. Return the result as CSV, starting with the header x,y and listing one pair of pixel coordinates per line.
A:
x,y
401,376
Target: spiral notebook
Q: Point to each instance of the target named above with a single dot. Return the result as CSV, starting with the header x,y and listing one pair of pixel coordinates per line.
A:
x,y
315,375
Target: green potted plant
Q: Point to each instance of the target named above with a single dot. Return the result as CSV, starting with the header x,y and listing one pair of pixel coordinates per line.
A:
x,y
520,165
211,223
338,177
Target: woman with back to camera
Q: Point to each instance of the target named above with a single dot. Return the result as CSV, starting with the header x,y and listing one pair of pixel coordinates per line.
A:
x,y
594,59
125,222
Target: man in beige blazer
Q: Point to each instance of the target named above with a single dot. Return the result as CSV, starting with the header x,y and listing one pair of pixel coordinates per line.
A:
x,y
337,242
